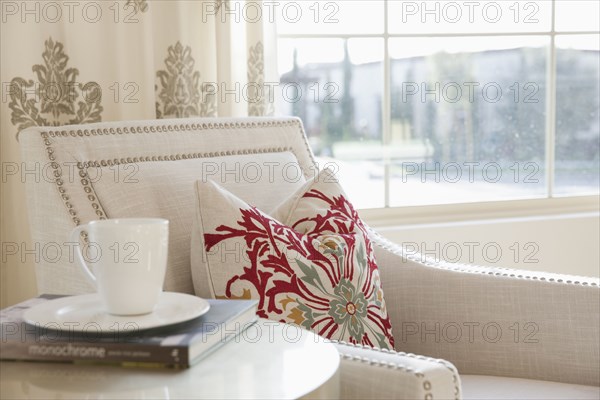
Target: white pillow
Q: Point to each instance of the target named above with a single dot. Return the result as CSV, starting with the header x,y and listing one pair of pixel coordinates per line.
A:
x,y
317,270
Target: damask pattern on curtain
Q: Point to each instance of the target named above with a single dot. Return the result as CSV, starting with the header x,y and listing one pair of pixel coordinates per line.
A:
x,y
180,58
88,61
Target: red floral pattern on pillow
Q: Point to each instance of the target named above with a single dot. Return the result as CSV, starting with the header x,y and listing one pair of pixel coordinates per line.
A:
x,y
324,279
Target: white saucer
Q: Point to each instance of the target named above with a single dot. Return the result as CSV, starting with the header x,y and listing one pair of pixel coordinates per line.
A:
x,y
85,313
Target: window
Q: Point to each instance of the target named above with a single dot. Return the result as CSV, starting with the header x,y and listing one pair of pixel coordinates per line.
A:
x,y
439,102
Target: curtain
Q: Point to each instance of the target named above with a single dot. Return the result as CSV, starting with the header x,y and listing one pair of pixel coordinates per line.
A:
x,y
65,62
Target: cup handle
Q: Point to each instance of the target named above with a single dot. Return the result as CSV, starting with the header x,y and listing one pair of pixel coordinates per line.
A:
x,y
75,234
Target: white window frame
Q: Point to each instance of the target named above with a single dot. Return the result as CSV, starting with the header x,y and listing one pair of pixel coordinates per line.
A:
x,y
548,205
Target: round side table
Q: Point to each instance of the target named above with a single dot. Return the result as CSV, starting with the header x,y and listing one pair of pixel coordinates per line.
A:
x,y
269,360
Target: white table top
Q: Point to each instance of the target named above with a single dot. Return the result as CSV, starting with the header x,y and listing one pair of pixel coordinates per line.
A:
x,y
269,360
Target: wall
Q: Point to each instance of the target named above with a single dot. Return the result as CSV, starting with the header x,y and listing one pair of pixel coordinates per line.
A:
x,y
567,243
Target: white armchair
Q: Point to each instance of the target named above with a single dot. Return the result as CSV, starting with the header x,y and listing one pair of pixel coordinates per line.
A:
x,y
510,334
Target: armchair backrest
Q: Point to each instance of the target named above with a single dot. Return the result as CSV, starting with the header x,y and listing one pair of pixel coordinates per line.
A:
x,y
148,169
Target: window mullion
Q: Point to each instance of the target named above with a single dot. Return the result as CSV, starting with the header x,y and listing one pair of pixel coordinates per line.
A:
x,y
386,107
550,148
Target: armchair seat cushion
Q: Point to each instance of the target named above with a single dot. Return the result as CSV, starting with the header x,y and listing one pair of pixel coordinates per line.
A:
x,y
483,387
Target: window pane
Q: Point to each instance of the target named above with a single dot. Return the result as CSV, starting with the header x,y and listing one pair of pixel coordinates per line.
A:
x,y
577,15
449,16
335,87
577,117
468,119
326,16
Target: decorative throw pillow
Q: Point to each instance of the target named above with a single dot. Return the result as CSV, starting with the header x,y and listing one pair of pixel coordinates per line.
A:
x,y
316,270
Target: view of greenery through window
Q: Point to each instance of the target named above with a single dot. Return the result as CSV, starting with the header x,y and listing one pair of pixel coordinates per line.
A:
x,y
464,118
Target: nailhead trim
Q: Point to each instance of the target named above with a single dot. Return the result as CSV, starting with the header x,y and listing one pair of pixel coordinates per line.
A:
x,y
89,188
57,172
385,244
306,145
375,362
179,128
164,128
378,363
187,156
189,127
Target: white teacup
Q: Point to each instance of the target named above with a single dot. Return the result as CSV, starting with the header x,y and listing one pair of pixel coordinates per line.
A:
x,y
128,261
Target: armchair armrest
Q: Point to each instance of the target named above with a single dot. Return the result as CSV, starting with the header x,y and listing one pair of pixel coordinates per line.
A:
x,y
368,373
493,321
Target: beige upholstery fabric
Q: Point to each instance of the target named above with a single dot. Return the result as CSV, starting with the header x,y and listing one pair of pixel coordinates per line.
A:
x,y
168,192
379,374
484,387
494,321
147,168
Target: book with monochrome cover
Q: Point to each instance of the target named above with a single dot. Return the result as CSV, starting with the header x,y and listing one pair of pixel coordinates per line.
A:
x,y
177,346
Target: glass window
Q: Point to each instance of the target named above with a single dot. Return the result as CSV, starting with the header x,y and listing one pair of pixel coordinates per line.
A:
x,y
335,87
329,17
577,15
451,17
419,102
577,165
467,119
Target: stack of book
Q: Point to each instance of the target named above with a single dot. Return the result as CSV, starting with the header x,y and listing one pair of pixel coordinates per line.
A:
x,y
176,346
